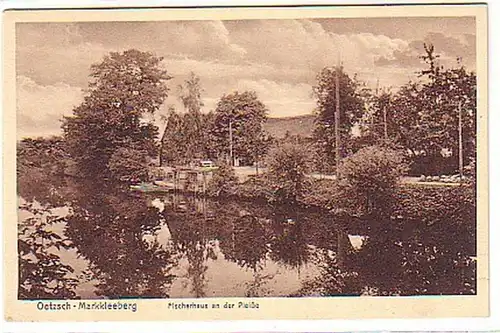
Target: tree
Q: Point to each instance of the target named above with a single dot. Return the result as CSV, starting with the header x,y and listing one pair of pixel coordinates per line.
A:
x,y
423,116
124,87
245,114
42,165
172,141
351,110
190,96
259,145
187,136
42,153
377,125
447,91
127,165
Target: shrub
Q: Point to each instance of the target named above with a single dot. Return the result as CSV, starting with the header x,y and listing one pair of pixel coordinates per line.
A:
x,y
368,180
254,188
288,165
223,181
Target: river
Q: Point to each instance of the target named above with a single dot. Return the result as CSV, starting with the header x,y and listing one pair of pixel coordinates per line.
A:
x,y
85,240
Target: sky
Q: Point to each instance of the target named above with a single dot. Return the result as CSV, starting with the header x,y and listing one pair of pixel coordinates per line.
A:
x,y
278,59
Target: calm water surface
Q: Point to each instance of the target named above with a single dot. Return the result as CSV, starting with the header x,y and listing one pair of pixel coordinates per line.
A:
x,y
165,245
85,240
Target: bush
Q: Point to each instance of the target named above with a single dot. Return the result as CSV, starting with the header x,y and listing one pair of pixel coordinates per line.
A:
x,y
288,165
223,181
254,188
42,272
368,180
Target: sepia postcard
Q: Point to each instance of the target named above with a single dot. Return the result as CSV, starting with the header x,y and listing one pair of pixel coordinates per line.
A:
x,y
314,162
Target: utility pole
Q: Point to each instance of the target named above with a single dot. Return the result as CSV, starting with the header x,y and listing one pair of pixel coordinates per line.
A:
x,y
460,141
342,238
384,110
385,123
231,143
371,113
337,120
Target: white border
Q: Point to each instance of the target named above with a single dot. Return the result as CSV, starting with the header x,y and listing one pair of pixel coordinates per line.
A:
x,y
452,324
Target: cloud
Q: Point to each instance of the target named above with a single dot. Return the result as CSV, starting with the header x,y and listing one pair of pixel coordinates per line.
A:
x,y
194,39
449,48
50,65
60,52
289,44
282,99
40,108
289,49
279,59
406,58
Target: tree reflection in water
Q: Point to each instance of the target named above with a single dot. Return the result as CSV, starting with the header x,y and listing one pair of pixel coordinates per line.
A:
x,y
402,258
117,234
107,227
248,246
187,218
249,234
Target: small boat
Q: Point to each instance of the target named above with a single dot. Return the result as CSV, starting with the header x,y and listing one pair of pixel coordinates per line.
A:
x,y
157,186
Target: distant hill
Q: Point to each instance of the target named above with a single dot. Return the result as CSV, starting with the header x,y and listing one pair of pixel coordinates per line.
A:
x,y
299,125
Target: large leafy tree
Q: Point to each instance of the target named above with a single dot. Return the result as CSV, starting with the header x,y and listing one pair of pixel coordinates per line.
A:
x,y
422,117
351,109
124,88
245,114
445,93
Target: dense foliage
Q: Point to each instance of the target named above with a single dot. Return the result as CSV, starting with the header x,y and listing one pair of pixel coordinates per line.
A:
x,y
288,165
351,105
223,181
245,114
42,274
42,164
186,135
422,117
369,179
124,87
